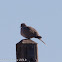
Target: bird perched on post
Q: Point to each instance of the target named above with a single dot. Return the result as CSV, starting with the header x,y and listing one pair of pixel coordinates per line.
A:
x,y
29,32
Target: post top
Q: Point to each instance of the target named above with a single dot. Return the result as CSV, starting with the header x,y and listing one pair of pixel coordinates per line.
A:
x,y
27,41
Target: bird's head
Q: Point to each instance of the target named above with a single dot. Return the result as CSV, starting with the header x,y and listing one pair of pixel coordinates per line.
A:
x,y
23,25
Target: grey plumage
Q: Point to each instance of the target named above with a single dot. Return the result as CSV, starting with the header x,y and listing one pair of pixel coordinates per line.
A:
x,y
29,32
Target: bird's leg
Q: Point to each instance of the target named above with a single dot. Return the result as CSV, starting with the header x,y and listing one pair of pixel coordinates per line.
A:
x,y
28,38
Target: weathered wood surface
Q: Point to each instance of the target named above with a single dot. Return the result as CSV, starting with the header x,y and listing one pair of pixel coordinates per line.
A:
x,y
27,51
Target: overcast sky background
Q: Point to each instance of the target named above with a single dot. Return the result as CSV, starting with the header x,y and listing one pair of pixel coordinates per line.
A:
x,y
44,15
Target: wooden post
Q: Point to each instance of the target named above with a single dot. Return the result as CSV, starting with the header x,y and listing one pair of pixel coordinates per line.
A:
x,y
27,51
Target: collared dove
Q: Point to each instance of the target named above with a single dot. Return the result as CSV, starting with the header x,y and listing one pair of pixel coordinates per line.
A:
x,y
29,32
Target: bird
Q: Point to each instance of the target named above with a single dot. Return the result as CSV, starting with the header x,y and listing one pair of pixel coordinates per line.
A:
x,y
29,32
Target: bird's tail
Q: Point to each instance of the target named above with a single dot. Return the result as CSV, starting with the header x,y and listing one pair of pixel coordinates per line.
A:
x,y
42,41
39,37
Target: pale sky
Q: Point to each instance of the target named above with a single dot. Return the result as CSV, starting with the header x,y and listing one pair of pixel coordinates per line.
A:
x,y
44,15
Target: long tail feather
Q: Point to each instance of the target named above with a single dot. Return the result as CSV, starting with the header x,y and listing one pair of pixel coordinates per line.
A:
x,y
43,41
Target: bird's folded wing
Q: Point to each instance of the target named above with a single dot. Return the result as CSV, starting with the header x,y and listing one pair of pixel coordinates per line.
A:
x,y
31,30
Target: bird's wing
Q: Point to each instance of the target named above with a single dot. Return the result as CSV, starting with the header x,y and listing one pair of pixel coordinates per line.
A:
x,y
32,31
